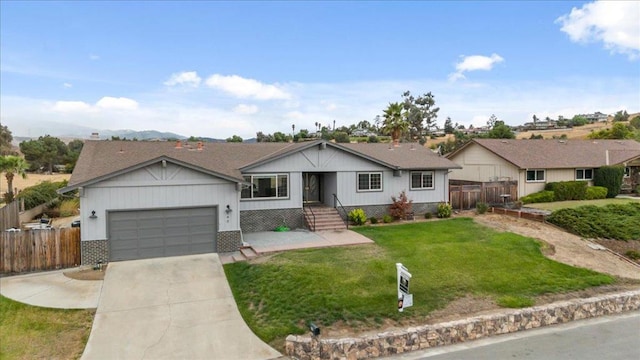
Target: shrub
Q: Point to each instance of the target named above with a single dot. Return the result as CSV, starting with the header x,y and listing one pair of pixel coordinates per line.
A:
x,y
387,219
481,208
596,192
40,194
428,215
609,177
541,196
373,139
69,207
373,220
357,216
444,210
633,255
613,221
401,206
341,137
568,190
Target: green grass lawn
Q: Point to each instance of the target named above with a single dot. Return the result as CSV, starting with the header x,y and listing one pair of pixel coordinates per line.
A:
x,y
31,332
557,205
356,286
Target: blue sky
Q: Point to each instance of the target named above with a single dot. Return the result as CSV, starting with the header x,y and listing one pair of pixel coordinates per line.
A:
x,y
222,68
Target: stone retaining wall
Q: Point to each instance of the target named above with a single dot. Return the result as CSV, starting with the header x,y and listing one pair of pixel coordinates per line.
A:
x,y
427,336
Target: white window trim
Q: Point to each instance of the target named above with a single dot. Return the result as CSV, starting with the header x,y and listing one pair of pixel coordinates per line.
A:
x,y
268,198
583,174
422,173
368,173
535,181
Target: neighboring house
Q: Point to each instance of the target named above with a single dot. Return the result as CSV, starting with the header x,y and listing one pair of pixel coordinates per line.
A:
x,y
533,163
151,199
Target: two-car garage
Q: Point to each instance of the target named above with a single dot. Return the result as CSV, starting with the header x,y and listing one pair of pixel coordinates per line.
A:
x,y
150,233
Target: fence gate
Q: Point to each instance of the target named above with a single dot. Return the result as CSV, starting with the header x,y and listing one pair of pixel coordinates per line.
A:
x,y
464,195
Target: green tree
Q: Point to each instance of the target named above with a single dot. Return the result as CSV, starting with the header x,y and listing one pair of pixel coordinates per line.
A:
x,y
491,123
578,120
73,153
617,131
635,122
235,139
5,141
395,123
501,131
341,137
280,137
448,126
421,114
621,116
44,152
12,165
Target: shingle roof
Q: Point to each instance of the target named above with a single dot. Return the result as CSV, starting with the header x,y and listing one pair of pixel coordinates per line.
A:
x,y
558,154
102,159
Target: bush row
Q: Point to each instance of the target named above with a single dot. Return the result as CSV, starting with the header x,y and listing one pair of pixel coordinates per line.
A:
x,y
613,221
563,191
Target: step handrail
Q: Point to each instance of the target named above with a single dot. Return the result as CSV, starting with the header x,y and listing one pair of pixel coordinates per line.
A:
x,y
313,216
336,203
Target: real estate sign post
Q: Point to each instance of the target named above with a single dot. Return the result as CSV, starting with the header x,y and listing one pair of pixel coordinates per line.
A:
x,y
405,299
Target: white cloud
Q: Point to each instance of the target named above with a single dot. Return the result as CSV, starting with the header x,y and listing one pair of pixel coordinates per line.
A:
x,y
120,103
474,63
295,115
71,106
94,57
67,85
186,78
246,88
245,109
614,23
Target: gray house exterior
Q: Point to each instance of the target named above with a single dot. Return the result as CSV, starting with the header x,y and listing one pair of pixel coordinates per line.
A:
x,y
154,199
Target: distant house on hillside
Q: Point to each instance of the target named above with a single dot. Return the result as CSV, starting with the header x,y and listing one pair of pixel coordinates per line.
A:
x,y
595,117
533,163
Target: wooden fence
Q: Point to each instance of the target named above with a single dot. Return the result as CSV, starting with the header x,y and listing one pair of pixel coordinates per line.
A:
x,y
10,216
464,195
36,250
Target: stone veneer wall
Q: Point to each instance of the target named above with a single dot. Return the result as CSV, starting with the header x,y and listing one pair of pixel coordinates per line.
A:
x,y
267,220
94,251
228,241
381,210
427,336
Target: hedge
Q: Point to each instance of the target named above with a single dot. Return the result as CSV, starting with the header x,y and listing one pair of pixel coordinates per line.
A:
x,y
541,196
609,177
596,192
568,190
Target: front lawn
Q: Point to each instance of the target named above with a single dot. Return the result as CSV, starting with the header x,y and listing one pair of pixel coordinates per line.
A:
x,y
557,205
31,332
356,286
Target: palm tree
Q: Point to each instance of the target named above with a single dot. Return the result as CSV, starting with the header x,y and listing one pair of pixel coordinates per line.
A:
x,y
12,166
395,122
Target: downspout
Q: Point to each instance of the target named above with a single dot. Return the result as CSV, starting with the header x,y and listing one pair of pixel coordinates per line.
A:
x,y
606,157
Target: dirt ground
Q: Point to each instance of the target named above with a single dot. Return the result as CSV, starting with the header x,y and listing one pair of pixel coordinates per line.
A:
x,y
32,179
86,273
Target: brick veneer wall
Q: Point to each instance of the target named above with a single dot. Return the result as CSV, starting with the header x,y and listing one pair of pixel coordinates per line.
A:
x,y
427,336
94,251
267,220
228,241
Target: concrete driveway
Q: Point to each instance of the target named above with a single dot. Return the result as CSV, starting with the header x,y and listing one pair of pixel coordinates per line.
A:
x,y
171,308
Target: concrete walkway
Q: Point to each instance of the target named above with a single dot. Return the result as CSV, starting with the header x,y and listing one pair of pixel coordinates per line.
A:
x,y
272,241
52,289
171,308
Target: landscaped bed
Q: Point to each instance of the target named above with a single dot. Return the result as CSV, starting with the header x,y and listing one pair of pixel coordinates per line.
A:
x,y
354,288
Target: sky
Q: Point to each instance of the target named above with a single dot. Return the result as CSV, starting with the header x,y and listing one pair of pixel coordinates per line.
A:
x,y
217,69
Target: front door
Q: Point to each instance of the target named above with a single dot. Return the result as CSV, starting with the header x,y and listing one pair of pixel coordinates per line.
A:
x,y
312,188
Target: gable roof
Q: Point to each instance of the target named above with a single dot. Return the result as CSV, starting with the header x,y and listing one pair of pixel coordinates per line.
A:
x,y
558,154
100,159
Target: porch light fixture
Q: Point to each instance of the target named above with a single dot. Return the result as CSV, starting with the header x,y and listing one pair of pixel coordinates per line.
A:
x,y
228,210
93,215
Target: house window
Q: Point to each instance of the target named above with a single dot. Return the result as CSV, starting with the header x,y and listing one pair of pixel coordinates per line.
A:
x,y
422,180
584,174
627,172
370,181
535,175
266,187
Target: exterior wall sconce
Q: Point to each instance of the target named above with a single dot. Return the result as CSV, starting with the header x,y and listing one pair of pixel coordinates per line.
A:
x,y
228,210
93,215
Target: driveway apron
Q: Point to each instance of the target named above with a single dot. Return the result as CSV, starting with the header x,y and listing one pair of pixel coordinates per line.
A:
x,y
171,308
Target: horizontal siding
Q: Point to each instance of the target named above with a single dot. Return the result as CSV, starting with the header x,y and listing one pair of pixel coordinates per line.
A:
x,y
480,164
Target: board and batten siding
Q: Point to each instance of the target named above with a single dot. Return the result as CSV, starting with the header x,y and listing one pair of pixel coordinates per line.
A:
x,y
155,187
481,165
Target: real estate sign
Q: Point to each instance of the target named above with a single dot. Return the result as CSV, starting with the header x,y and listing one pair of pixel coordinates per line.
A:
x,y
405,299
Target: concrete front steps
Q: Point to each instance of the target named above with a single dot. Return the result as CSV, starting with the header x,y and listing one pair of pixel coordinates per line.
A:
x,y
326,218
245,253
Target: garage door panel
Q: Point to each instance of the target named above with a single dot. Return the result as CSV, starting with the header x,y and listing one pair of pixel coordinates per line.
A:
x,y
157,233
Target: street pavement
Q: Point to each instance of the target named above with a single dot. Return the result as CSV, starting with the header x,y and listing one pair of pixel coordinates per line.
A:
x,y
609,337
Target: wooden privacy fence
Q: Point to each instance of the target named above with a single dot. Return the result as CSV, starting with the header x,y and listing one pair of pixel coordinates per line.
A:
x,y
10,216
35,250
464,195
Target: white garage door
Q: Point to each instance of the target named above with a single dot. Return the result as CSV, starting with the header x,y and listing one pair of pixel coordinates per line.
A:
x,y
144,234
